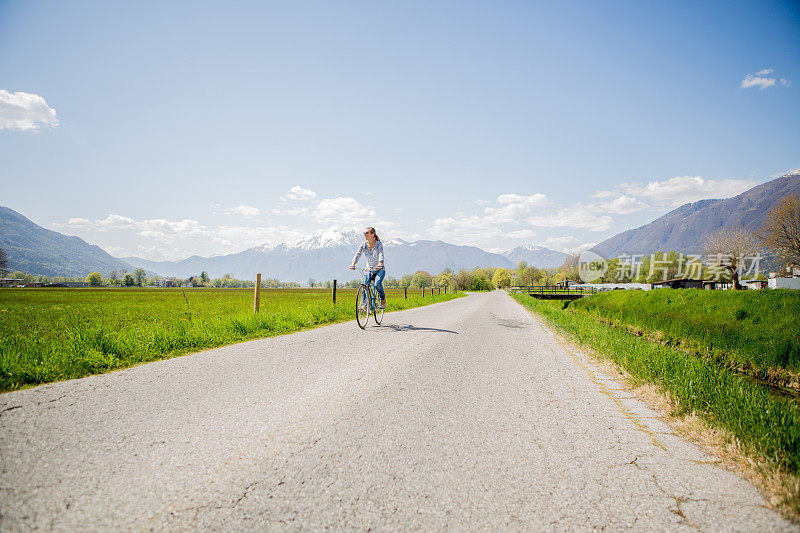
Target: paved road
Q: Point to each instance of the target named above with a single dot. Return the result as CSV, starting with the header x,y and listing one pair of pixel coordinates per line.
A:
x,y
465,414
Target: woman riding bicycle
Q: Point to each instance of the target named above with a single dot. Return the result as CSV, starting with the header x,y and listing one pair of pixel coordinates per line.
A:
x,y
372,249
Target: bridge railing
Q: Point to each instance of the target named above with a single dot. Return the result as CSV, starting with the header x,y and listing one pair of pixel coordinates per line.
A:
x,y
554,290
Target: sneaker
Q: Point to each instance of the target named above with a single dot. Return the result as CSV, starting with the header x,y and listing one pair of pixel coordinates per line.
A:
x,y
383,304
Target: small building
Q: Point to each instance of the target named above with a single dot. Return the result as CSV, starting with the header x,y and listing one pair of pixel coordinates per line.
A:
x,y
681,283
789,282
161,282
617,286
10,282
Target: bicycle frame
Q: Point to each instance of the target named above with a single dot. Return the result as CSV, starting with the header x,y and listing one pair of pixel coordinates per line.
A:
x,y
371,291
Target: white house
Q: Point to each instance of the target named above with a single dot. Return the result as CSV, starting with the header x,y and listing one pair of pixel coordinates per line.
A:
x,y
784,283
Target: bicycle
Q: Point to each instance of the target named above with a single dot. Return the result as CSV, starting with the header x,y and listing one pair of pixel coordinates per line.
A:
x,y
366,303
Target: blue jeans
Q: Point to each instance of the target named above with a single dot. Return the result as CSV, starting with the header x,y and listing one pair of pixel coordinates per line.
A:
x,y
378,277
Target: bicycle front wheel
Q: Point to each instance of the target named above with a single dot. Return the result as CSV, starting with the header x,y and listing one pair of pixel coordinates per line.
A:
x,y
362,306
377,313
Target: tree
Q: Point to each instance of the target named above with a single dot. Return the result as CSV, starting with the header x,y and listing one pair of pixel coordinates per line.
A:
x,y
501,278
781,230
405,281
139,276
527,275
128,280
3,263
312,282
26,278
443,278
112,278
728,249
463,280
94,279
570,268
204,278
421,279
480,284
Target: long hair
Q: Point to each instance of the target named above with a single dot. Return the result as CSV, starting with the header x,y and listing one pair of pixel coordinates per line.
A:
x,y
373,232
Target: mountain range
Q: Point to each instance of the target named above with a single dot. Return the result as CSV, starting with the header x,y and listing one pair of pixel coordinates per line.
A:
x,y
684,228
326,254
35,250
322,256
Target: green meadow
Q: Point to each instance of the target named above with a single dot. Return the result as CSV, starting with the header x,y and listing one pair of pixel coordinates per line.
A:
x,y
55,334
757,330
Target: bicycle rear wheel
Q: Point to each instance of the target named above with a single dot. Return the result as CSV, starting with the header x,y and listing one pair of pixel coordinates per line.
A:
x,y
362,306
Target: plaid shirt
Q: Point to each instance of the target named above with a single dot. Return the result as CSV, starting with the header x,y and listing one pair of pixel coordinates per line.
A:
x,y
374,257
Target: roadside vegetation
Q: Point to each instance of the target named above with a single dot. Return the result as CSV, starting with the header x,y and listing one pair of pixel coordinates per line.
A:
x,y
764,425
55,334
756,331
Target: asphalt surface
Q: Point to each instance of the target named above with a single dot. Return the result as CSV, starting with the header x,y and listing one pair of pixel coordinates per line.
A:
x,y
467,414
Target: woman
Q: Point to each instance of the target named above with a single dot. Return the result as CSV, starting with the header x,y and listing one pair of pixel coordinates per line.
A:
x,y
372,249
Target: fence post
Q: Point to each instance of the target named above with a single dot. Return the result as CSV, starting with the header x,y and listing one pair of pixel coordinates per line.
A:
x,y
334,291
257,296
405,292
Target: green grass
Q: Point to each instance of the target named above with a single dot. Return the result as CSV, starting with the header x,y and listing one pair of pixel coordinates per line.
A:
x,y
749,329
768,426
55,334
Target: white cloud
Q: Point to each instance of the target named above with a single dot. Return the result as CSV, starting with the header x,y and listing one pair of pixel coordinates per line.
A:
x,y
520,234
112,221
485,230
531,200
513,207
239,237
25,111
157,228
115,221
624,205
759,79
77,223
158,253
573,217
116,251
679,190
568,244
299,193
167,230
785,82
244,210
474,230
343,210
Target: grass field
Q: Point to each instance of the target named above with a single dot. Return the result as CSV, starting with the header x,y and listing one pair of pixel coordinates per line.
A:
x,y
54,334
759,329
767,425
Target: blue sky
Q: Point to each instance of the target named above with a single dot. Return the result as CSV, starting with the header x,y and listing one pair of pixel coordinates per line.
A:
x,y
167,130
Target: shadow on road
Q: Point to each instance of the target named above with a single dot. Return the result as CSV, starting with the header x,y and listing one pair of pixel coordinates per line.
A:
x,y
411,327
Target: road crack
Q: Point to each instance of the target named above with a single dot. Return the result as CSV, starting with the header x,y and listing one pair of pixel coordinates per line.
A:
x,y
10,409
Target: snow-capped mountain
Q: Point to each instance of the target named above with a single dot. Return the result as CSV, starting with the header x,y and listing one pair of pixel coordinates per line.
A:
x,y
536,255
326,255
